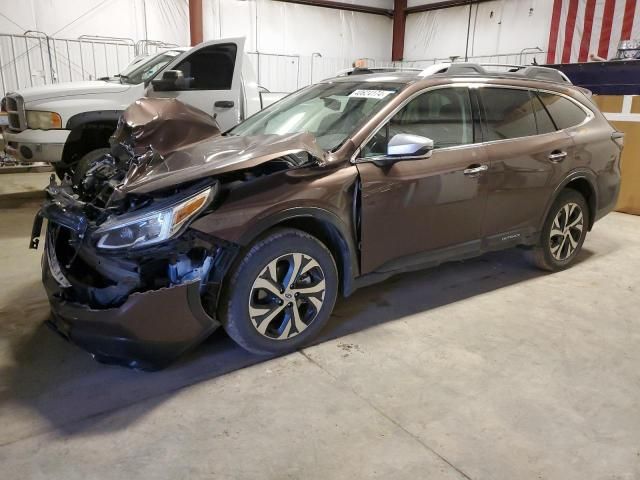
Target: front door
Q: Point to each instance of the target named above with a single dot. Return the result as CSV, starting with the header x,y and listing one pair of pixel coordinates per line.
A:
x,y
417,210
213,73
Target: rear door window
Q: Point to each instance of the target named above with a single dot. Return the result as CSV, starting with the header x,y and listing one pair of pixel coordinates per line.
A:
x,y
508,113
564,112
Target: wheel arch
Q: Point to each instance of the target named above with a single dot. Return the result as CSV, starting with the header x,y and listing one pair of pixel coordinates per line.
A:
x,y
323,225
584,182
89,130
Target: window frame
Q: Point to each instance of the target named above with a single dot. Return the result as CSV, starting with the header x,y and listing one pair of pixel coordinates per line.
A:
x,y
536,95
199,51
478,112
590,115
588,112
475,117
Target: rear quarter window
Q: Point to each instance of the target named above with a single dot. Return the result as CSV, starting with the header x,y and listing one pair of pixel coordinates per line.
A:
x,y
564,112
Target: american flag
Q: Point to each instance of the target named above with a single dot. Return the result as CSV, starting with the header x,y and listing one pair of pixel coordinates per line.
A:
x,y
581,27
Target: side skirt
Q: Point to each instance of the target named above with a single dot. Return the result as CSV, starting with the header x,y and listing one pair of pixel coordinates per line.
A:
x,y
464,251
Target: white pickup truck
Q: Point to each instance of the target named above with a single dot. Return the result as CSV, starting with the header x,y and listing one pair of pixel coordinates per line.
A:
x,y
62,123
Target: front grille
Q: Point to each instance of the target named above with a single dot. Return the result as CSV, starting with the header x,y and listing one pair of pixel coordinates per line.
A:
x,y
15,112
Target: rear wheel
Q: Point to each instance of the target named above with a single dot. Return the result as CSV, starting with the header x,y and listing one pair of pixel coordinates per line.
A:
x,y
281,294
563,233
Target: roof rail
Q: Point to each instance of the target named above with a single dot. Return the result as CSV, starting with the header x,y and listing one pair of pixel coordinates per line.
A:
x,y
532,72
544,73
466,69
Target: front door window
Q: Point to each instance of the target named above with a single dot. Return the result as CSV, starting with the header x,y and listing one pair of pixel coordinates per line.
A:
x,y
444,115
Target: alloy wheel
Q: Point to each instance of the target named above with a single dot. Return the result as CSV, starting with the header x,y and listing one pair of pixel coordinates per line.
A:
x,y
286,296
566,231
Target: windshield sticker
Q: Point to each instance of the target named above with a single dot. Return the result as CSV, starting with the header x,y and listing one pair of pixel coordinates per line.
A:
x,y
379,94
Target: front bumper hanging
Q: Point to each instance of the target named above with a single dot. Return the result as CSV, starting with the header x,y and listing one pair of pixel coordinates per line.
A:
x,y
148,330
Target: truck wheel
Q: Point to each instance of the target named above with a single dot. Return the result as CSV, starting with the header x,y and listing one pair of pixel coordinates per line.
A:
x,y
281,294
60,170
79,170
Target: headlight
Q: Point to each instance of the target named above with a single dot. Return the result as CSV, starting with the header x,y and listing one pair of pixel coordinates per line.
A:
x,y
150,228
43,120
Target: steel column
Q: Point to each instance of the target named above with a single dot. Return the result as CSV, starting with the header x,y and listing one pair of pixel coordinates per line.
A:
x,y
399,20
195,21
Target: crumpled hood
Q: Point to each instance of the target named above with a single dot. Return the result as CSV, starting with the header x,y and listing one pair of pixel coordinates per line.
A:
x,y
59,90
215,156
166,124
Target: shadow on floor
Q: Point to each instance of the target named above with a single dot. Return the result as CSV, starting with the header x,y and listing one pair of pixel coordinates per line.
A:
x,y
67,389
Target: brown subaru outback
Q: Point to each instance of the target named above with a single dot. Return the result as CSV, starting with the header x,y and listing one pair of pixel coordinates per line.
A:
x,y
179,229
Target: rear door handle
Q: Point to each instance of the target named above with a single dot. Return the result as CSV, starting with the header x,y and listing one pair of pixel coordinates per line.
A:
x,y
557,156
224,104
475,170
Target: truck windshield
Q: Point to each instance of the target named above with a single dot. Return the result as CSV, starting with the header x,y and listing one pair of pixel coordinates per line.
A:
x,y
329,111
145,69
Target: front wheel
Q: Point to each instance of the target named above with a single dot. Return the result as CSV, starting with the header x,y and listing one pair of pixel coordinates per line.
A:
x,y
281,294
563,233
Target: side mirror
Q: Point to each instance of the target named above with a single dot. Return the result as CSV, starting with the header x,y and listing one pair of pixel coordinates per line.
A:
x,y
171,80
407,145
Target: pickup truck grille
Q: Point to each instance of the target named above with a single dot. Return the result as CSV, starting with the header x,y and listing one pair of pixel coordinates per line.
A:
x,y
15,112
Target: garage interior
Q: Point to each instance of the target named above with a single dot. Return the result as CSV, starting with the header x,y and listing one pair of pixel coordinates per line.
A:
x,y
479,369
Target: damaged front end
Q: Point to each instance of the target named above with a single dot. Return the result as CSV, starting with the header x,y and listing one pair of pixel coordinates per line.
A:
x,y
126,277
126,289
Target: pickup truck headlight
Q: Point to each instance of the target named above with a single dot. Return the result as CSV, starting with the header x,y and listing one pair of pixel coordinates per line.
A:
x,y
152,227
43,120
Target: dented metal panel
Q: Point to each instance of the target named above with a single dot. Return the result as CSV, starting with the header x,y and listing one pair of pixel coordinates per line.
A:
x,y
216,156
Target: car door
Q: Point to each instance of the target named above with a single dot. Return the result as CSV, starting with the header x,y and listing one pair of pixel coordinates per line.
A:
x,y
527,154
417,211
213,79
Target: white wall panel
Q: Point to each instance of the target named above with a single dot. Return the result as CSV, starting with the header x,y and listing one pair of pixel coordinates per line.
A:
x,y
282,27
499,26
299,29
72,18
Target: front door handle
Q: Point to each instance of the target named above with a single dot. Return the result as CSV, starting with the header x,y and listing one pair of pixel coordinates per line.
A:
x,y
473,170
224,104
557,156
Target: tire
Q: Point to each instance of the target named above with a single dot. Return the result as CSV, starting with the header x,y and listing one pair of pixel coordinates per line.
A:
x,y
558,250
60,170
293,315
79,170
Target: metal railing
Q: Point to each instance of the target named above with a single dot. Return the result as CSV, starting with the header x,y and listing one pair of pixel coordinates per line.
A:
x,y
34,58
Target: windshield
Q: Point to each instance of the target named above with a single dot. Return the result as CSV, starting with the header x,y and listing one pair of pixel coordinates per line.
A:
x,y
145,69
329,111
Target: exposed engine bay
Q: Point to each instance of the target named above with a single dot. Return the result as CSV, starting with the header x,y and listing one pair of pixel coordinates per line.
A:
x,y
110,234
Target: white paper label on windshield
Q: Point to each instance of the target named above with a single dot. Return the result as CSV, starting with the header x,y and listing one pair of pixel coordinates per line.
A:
x,y
370,93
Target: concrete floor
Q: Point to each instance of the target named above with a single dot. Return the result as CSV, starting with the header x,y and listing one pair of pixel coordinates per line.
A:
x,y
486,369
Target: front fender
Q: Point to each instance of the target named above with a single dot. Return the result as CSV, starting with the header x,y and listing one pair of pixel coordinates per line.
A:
x,y
318,196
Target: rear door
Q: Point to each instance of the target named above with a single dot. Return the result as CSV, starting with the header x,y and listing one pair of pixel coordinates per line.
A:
x,y
527,155
214,79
